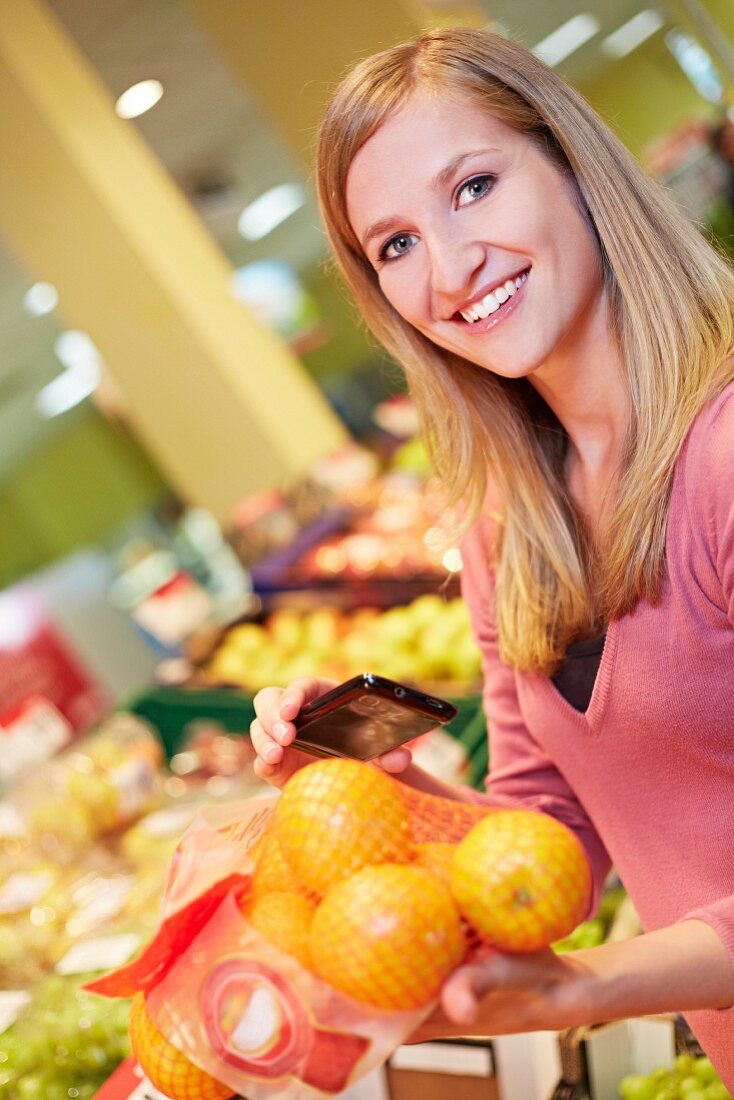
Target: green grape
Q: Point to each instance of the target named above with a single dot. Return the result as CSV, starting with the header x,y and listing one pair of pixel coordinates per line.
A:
x,y
635,1086
717,1090
31,1087
704,1070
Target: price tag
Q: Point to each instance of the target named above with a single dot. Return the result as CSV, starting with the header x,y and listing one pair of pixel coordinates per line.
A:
x,y
135,782
100,953
29,734
23,889
175,610
12,1004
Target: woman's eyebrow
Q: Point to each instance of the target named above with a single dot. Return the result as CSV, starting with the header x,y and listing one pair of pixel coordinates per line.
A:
x,y
439,181
442,178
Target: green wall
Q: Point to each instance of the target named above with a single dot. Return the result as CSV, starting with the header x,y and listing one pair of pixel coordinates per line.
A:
x,y
77,490
646,94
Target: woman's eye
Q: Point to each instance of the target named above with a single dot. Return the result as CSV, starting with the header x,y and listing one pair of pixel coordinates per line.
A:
x,y
474,189
397,246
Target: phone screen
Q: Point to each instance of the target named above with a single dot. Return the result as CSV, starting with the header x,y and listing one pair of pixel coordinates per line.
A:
x,y
363,727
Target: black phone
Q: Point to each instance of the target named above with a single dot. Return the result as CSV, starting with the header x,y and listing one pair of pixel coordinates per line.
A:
x,y
367,716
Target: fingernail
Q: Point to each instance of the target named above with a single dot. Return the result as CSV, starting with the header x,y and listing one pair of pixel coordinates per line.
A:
x,y
287,708
280,730
272,754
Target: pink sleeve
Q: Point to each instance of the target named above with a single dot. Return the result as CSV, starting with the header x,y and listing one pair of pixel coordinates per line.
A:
x,y
520,772
711,504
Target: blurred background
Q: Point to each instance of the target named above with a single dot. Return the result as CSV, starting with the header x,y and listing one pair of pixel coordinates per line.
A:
x,y
170,335
210,478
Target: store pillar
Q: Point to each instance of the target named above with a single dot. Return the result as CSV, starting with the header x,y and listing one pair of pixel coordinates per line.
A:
x,y
219,401
291,57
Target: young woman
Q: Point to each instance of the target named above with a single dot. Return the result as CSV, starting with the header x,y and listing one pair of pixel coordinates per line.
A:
x,y
567,337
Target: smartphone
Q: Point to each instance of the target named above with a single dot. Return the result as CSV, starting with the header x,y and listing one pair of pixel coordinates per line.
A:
x,y
367,716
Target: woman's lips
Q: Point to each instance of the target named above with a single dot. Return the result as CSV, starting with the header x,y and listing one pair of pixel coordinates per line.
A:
x,y
484,324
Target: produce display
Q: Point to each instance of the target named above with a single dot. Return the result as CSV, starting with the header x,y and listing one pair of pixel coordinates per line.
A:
x,y
427,641
96,787
690,1078
397,529
326,921
65,1045
85,847
612,921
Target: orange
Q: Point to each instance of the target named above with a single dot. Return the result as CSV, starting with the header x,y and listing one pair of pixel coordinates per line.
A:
x,y
284,919
335,816
170,1071
521,879
437,857
272,871
388,936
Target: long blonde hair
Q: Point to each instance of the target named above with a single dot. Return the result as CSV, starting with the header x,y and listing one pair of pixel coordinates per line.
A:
x,y
671,298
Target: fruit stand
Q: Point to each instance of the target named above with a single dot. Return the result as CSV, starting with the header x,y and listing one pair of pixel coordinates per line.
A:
x,y
87,839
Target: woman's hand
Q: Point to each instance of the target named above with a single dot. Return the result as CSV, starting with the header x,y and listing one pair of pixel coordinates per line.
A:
x,y
273,731
680,968
504,994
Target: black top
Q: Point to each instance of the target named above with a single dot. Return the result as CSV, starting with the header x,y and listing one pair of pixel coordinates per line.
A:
x,y
576,674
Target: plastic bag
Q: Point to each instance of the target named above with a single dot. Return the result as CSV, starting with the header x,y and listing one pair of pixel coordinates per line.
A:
x,y
304,937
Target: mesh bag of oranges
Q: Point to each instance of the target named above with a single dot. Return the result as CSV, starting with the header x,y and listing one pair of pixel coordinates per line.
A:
x,y
305,936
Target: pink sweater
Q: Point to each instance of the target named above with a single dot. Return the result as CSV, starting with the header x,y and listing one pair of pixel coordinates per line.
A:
x,y
645,777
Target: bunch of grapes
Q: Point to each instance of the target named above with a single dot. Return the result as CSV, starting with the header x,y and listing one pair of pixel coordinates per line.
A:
x,y
690,1078
66,1046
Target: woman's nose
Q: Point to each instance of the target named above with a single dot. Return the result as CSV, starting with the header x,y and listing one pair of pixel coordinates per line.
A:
x,y
455,265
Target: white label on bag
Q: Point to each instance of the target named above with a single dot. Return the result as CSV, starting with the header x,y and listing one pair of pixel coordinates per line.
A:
x,y
12,1003
100,953
23,889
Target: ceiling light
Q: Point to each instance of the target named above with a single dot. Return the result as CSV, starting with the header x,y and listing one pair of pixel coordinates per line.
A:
x,y
567,38
269,210
76,349
67,390
79,379
632,33
139,99
696,63
40,298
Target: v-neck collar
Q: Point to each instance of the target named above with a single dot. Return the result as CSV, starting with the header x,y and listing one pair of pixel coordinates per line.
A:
x,y
591,720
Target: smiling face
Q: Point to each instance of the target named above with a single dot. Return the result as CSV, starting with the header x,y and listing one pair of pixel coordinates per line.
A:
x,y
478,239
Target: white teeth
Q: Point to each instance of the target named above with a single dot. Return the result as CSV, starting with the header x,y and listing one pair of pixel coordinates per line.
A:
x,y
493,301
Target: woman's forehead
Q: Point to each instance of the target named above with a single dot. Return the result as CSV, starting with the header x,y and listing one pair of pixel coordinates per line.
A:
x,y
416,144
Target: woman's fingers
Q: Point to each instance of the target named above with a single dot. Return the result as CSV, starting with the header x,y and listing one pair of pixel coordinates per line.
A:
x,y
527,979
395,761
463,991
273,731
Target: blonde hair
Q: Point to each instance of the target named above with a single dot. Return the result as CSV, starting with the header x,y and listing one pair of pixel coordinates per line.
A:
x,y
671,299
